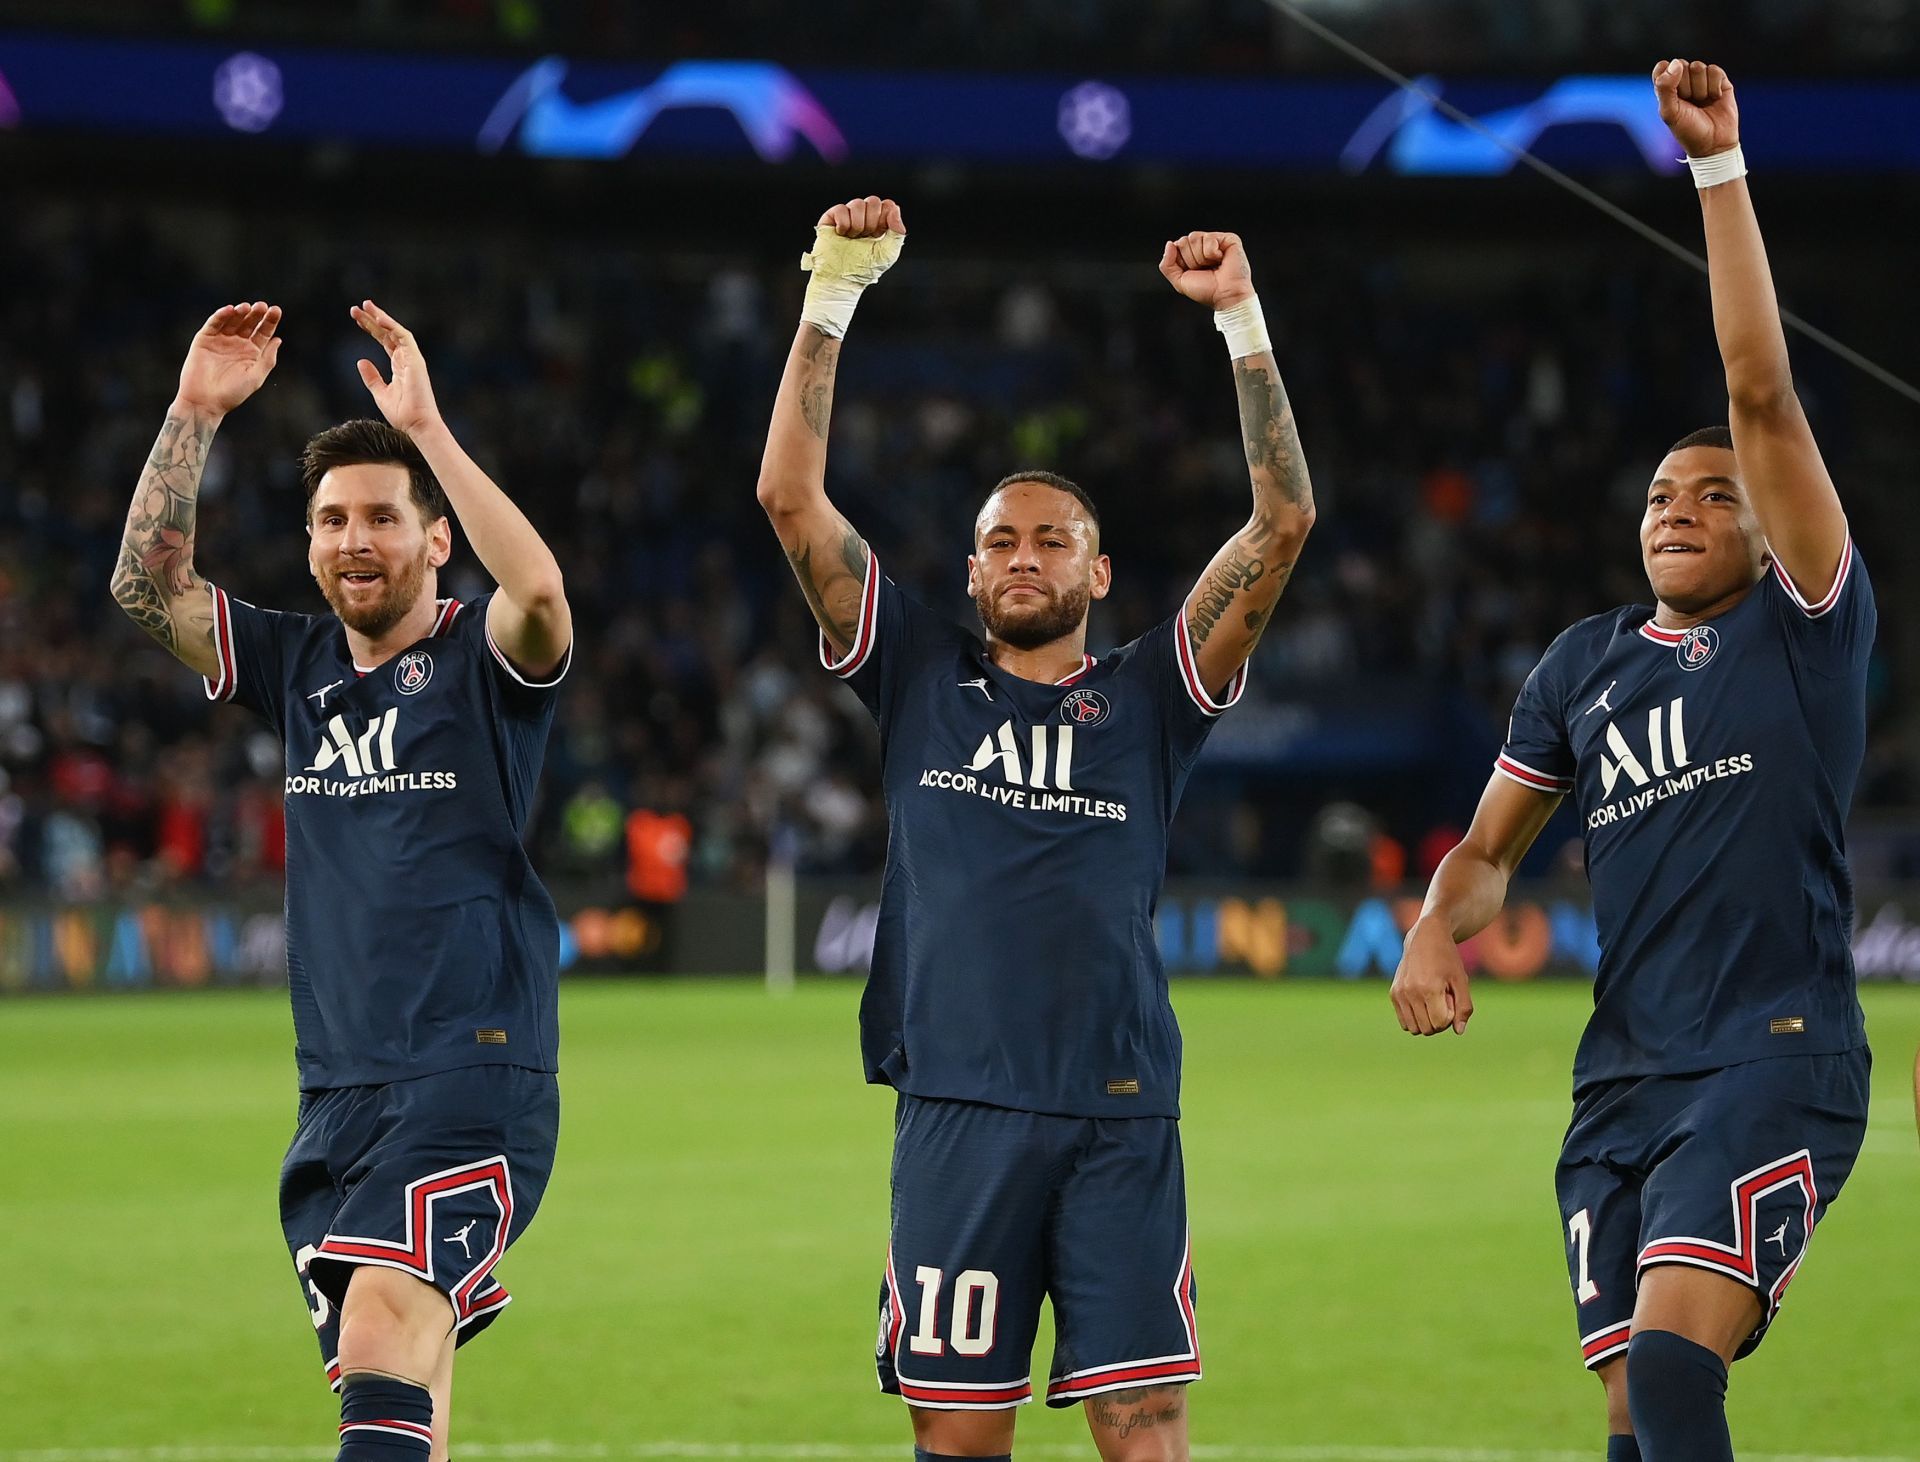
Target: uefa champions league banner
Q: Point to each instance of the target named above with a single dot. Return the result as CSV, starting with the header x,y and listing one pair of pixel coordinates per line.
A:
x,y
758,112
1245,931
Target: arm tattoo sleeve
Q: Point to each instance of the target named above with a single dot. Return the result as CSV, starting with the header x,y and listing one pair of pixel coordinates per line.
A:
x,y
1258,554
833,588
1273,444
822,358
155,567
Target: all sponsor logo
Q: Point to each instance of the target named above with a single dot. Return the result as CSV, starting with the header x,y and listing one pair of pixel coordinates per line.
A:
x,y
1084,708
1664,770
412,672
1027,769
346,764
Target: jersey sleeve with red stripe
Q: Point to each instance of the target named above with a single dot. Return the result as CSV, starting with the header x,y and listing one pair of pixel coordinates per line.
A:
x,y
1537,752
893,632
1191,707
517,691
252,647
1833,634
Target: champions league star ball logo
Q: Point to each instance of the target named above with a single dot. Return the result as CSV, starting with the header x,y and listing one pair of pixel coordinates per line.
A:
x,y
1084,708
413,672
1696,647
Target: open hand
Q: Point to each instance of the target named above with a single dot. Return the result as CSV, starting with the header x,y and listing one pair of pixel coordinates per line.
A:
x,y
1696,103
231,357
1211,268
406,401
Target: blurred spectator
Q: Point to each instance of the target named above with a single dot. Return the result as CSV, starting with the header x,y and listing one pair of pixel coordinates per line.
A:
x,y
1479,444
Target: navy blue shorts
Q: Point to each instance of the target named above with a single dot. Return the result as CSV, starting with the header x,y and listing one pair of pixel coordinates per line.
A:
x,y
994,1210
1727,1170
433,1177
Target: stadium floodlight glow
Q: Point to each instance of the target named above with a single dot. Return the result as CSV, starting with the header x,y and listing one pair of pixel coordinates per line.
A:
x,y
1096,120
771,106
1419,141
248,92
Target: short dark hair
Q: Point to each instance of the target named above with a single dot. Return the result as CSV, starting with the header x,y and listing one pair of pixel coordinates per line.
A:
x,y
354,442
1050,479
1707,436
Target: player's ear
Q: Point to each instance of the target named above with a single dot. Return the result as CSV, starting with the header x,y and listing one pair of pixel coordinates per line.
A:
x,y
973,576
1102,576
439,542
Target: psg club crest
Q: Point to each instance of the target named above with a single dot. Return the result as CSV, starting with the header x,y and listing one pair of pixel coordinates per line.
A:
x,y
1696,647
1084,708
413,672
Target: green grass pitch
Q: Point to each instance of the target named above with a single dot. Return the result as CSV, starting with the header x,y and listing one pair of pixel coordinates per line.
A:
x,y
1378,1250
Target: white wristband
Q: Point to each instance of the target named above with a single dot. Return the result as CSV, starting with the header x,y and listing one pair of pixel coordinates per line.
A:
x,y
1719,167
830,303
1245,328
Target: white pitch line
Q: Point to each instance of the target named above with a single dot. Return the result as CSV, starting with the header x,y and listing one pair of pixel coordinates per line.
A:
x,y
832,1452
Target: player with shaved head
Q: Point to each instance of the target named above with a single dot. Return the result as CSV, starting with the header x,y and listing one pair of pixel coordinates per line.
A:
x,y
1017,1002
1711,746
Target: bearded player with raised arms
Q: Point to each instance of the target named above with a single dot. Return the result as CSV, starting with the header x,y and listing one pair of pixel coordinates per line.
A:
x,y
1017,1003
422,952
1712,746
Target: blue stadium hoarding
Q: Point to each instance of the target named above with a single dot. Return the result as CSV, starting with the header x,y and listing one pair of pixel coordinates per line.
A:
x,y
1242,929
759,110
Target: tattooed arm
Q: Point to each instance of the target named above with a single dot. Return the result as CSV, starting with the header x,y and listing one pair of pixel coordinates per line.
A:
x,y
828,557
1229,608
154,580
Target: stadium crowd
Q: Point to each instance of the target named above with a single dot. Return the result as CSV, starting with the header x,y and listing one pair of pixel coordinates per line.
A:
x,y
1479,455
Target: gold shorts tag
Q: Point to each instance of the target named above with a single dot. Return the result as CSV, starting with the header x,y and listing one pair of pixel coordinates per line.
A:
x,y
490,1037
1129,1087
1792,1025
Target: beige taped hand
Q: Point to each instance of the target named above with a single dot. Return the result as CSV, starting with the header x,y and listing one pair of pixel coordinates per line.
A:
x,y
858,261
841,269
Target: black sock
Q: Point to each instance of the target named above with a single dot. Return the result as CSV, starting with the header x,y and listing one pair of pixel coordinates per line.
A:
x,y
920,1454
1623,1449
384,1419
1677,1394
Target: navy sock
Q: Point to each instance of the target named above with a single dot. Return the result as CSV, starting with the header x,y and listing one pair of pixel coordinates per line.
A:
x,y
1623,1449
1677,1394
384,1419
920,1454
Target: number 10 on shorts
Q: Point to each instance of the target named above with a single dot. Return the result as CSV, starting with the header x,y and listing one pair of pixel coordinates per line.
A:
x,y
976,1301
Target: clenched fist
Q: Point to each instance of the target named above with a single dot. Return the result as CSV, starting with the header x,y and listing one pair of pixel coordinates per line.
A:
x,y
1696,103
1210,268
864,218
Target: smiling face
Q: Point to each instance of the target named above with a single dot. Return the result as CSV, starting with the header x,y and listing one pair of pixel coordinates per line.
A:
x,y
368,548
1036,565
1699,540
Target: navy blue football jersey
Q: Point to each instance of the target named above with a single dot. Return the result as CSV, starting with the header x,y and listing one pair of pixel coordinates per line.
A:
x,y
419,938
1712,769
1015,961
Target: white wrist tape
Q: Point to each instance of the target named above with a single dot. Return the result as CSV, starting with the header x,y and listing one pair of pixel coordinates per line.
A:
x,y
841,268
1245,328
1719,167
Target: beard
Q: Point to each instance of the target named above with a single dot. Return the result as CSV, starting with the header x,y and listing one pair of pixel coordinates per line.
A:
x,y
1028,628
374,617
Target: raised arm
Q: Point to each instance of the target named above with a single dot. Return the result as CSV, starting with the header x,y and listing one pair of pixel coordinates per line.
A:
x,y
1230,606
529,618
154,580
855,243
1430,991
1786,481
